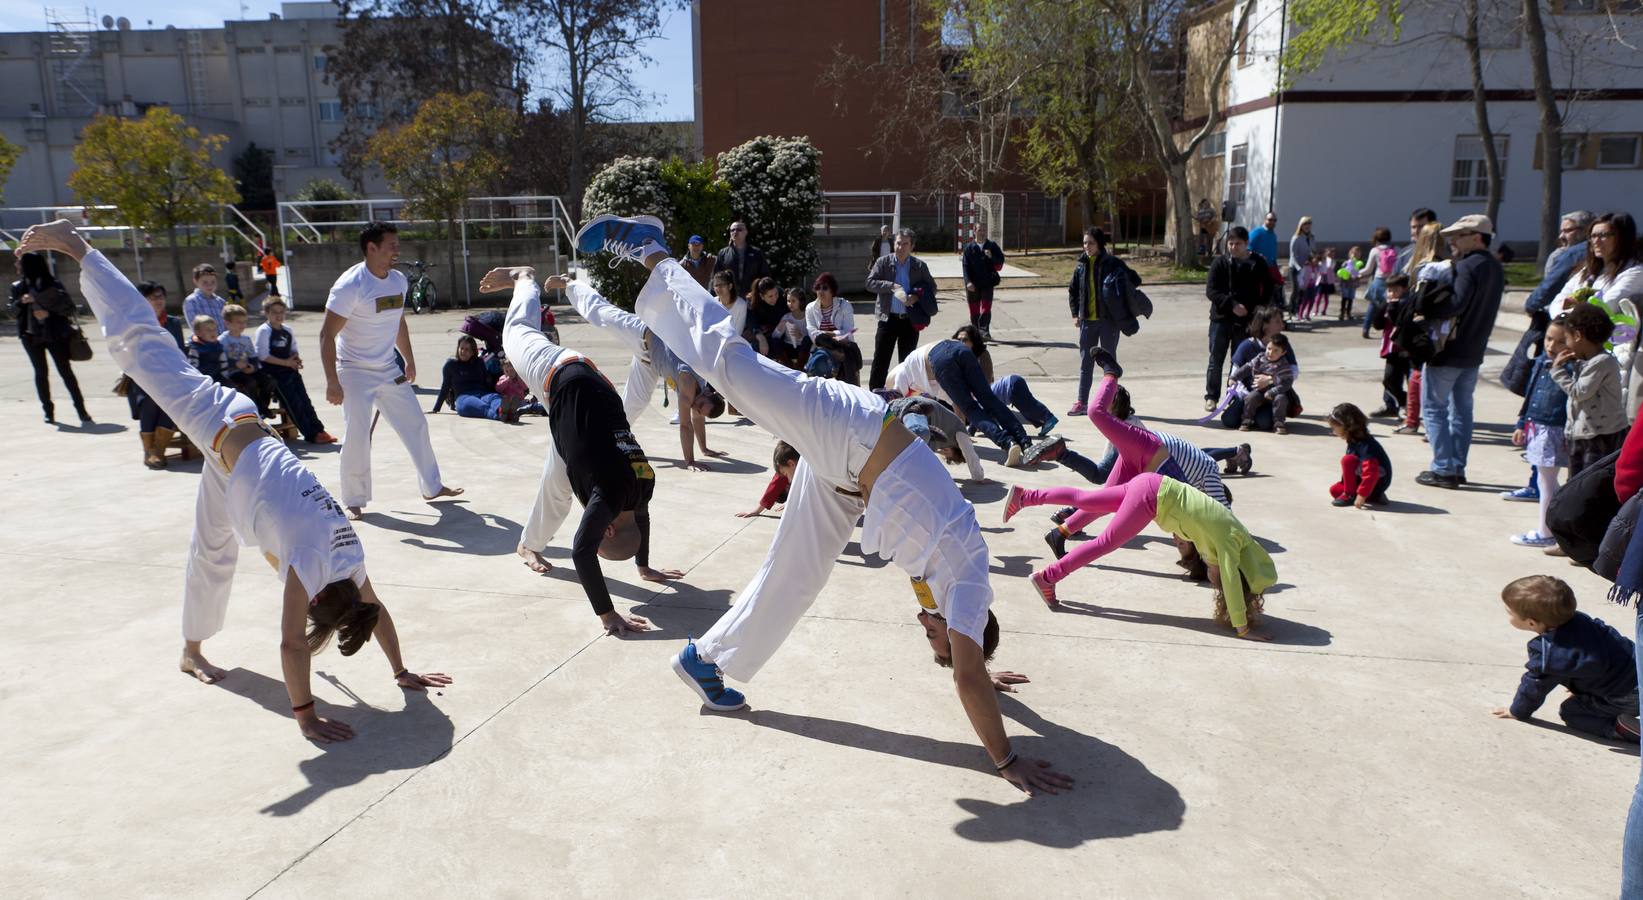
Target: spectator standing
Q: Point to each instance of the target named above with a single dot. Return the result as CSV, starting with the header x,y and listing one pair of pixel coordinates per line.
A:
x,y
1302,246
1090,302
1610,268
883,245
204,300
1451,377
745,262
696,261
44,328
1205,217
1382,262
270,265
906,301
1239,281
1263,239
1418,219
983,260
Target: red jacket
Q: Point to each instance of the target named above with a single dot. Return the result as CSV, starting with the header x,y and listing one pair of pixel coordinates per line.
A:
x,y
1628,469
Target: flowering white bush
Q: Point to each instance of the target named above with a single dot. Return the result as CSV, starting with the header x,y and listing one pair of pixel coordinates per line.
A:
x,y
775,187
629,186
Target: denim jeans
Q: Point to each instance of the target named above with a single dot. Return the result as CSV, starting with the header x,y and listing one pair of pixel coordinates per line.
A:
x,y
1376,295
959,373
1097,333
479,406
1223,336
1631,846
1446,405
1093,472
1013,391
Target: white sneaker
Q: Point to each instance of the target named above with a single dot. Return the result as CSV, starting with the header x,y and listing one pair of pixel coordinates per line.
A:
x,y
674,420
1012,457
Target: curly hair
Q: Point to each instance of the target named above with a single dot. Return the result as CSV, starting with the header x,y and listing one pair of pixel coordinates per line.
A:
x,y
1254,604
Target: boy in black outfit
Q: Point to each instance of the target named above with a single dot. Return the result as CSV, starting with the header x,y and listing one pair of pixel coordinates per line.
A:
x,y
1592,660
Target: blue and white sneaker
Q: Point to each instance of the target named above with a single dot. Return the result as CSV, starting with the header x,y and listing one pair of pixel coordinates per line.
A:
x,y
1533,539
1523,494
624,238
706,680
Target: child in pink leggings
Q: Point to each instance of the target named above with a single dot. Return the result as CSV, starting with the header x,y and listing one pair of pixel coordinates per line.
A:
x,y
1177,508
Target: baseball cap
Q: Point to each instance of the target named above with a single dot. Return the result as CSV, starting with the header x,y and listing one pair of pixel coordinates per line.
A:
x,y
1470,224
694,239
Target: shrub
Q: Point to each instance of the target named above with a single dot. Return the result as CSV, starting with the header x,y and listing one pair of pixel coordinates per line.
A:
x,y
629,186
775,187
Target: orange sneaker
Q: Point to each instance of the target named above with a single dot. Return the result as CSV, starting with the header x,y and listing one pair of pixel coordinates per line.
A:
x,y
323,437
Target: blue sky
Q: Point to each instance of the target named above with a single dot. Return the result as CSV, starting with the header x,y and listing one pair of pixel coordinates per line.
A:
x,y
669,79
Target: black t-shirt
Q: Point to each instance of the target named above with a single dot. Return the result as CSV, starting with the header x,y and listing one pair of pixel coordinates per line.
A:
x,y
608,469
766,316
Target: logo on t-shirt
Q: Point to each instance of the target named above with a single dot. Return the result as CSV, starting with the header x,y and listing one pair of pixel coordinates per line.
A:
x,y
390,302
626,442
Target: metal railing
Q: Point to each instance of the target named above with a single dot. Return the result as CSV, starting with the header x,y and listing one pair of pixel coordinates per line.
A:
x,y
847,212
308,221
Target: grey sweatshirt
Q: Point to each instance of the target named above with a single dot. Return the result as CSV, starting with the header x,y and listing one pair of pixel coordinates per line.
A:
x,y
1593,387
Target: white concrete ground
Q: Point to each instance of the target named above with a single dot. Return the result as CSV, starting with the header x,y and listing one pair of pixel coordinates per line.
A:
x,y
1353,757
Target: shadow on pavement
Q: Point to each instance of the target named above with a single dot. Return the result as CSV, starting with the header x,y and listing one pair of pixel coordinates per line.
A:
x,y
384,740
93,428
1115,794
1410,509
1283,631
714,464
481,534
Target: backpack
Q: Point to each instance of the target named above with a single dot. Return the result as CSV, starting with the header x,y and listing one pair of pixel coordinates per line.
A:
x,y
821,364
1414,329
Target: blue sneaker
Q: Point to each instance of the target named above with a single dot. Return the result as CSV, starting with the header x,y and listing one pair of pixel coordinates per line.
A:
x,y
1533,539
624,238
1048,426
1523,494
706,680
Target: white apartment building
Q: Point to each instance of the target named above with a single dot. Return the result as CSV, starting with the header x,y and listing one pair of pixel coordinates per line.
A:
x,y
259,82
1387,126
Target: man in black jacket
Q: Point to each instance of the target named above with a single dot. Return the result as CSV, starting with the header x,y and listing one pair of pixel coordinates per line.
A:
x,y
1450,378
1239,281
982,261
745,262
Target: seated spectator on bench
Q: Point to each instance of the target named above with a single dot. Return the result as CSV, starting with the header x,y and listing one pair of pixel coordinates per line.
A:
x,y
205,351
792,331
154,426
277,350
765,318
244,371
831,324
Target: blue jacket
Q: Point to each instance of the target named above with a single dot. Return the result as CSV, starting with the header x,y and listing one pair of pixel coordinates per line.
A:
x,y
1544,403
1117,300
1557,274
1265,243
1584,655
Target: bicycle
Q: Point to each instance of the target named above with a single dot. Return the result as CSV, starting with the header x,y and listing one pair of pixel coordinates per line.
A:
x,y
422,292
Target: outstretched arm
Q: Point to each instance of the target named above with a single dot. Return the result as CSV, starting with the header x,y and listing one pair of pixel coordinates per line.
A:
x,y
388,639
978,694
295,659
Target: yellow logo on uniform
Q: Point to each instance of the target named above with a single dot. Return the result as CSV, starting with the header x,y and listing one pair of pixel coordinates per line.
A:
x,y
921,590
390,302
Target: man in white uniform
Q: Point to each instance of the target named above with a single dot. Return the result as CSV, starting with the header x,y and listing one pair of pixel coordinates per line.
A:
x,y
252,492
364,323
853,456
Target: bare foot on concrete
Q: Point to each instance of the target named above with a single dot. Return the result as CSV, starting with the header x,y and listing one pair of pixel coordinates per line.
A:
x,y
356,513
445,492
196,665
534,560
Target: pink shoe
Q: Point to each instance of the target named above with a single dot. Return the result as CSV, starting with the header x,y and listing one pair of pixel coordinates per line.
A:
x,y
1079,409
1012,502
1045,589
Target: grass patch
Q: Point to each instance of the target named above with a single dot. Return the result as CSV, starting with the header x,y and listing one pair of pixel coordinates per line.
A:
x,y
1522,274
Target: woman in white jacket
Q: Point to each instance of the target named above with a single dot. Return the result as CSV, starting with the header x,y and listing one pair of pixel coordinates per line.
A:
x,y
1614,276
832,326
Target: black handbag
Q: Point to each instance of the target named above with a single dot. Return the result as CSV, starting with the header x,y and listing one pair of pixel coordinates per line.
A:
x,y
1580,512
1515,376
79,349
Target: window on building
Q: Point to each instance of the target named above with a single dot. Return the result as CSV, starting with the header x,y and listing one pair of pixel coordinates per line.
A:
x,y
330,110
1574,146
1618,151
288,49
1597,6
1470,178
293,101
1238,173
366,110
319,62
1245,55
1214,145
258,102
297,152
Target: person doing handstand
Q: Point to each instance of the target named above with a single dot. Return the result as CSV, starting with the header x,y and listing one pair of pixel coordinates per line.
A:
x,y
252,492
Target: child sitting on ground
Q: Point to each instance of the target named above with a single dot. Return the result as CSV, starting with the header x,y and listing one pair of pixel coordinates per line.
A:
x,y
1590,376
244,370
513,389
783,462
1366,470
1540,432
1268,378
205,351
1592,660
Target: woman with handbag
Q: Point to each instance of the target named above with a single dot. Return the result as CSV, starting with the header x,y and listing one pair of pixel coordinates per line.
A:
x,y
45,327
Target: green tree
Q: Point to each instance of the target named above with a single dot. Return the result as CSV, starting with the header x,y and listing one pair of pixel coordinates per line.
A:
x,y
254,177
1322,27
9,154
324,190
700,202
453,149
628,186
156,171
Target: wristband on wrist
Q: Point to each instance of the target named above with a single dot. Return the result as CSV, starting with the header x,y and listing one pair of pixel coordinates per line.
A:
x,y
1006,762
303,708
401,674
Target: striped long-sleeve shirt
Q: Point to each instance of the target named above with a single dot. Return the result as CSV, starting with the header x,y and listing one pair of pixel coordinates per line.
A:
x,y
1200,470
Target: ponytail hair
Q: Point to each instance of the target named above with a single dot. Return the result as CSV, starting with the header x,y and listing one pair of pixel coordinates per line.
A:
x,y
338,609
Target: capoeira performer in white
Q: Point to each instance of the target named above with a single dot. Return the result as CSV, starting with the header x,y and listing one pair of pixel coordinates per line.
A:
x,y
653,362
364,323
592,454
853,456
252,492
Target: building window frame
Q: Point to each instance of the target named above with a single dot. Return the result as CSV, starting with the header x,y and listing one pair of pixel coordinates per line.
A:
x,y
329,110
1468,172
1214,145
1246,56
1238,173
1636,141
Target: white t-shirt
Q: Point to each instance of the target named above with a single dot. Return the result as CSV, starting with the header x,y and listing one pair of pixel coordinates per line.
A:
x,y
279,507
374,308
914,375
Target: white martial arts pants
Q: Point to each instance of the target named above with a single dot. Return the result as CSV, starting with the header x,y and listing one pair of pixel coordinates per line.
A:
x,y
535,357
365,389
833,434
202,409
642,378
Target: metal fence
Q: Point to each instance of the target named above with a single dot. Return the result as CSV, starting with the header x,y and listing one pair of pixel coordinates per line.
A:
x,y
14,220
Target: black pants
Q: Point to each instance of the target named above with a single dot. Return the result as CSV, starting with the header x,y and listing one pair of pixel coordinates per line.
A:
x,y
294,397
1396,372
256,385
1596,715
1585,451
895,333
1223,336
58,351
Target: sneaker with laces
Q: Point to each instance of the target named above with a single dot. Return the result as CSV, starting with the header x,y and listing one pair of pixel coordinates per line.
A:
x,y
625,238
1045,589
1523,494
1108,363
323,437
1244,459
1047,450
1533,539
1057,539
1012,456
1079,409
1062,514
1048,426
1012,502
706,680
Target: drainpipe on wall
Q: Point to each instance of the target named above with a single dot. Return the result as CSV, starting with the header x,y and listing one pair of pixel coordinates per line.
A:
x,y
1278,107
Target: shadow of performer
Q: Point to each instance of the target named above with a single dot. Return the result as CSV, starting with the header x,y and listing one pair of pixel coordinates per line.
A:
x,y
480,534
